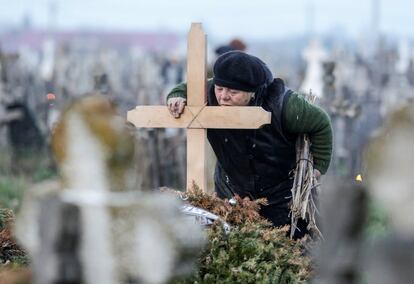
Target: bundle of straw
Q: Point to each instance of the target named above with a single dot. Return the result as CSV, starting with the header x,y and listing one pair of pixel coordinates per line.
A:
x,y
305,185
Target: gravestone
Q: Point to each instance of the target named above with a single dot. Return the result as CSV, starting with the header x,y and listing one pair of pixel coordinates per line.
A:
x,y
344,212
94,226
346,255
390,158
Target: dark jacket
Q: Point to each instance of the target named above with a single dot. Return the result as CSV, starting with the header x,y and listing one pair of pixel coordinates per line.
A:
x,y
253,161
298,117
258,163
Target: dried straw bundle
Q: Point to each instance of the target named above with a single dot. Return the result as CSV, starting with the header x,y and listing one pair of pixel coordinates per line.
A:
x,y
305,185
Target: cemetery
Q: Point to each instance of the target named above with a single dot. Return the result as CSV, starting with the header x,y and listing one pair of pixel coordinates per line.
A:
x,y
99,183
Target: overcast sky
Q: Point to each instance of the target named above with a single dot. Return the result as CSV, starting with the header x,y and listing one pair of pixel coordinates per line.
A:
x,y
221,18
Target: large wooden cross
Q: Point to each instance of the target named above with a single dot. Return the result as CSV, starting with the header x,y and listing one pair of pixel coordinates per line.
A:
x,y
197,117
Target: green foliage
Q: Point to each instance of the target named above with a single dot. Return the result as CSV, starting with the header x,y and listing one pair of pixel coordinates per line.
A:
x,y
16,257
11,191
10,251
377,223
5,161
253,251
6,216
16,176
252,254
43,173
34,166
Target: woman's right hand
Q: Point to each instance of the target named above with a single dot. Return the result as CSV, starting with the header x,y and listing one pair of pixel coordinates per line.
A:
x,y
176,106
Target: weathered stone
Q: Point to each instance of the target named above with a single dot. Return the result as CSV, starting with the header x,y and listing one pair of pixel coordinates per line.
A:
x,y
108,238
390,261
390,160
344,212
93,228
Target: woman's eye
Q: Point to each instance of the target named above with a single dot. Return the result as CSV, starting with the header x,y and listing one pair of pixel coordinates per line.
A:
x,y
234,92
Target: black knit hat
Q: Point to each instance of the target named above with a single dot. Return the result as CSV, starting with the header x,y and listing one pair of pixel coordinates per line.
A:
x,y
241,71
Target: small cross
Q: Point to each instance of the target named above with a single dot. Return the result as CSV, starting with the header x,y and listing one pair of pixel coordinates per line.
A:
x,y
197,117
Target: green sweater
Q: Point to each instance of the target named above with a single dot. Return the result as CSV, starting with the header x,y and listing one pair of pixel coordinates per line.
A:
x,y
299,117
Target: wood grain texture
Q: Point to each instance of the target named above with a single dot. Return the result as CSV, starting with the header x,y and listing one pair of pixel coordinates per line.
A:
x,y
196,96
196,66
196,158
199,117
233,117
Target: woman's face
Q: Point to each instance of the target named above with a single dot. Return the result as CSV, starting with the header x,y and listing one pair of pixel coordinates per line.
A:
x,y
231,97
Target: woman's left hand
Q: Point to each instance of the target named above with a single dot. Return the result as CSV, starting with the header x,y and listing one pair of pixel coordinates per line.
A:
x,y
316,173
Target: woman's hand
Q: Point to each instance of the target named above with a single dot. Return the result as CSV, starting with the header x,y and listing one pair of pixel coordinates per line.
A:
x,y
176,106
316,174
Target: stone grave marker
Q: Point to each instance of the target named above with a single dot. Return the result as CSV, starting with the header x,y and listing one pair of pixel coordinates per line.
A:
x,y
92,227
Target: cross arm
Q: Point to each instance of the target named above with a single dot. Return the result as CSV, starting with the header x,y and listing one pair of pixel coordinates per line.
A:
x,y
200,117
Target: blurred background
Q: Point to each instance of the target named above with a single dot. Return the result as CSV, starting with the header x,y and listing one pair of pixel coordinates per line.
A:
x,y
356,56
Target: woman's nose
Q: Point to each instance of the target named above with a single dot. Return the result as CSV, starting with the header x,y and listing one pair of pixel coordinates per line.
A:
x,y
225,95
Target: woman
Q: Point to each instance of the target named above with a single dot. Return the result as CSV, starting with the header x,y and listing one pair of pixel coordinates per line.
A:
x,y
258,163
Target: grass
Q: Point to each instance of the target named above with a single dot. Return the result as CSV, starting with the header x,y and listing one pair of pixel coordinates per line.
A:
x,y
11,191
17,176
377,223
13,184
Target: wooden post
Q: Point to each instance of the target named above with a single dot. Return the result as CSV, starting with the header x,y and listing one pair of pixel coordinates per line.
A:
x,y
196,96
197,117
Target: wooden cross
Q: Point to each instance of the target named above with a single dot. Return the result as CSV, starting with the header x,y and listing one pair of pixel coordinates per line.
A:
x,y
197,117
